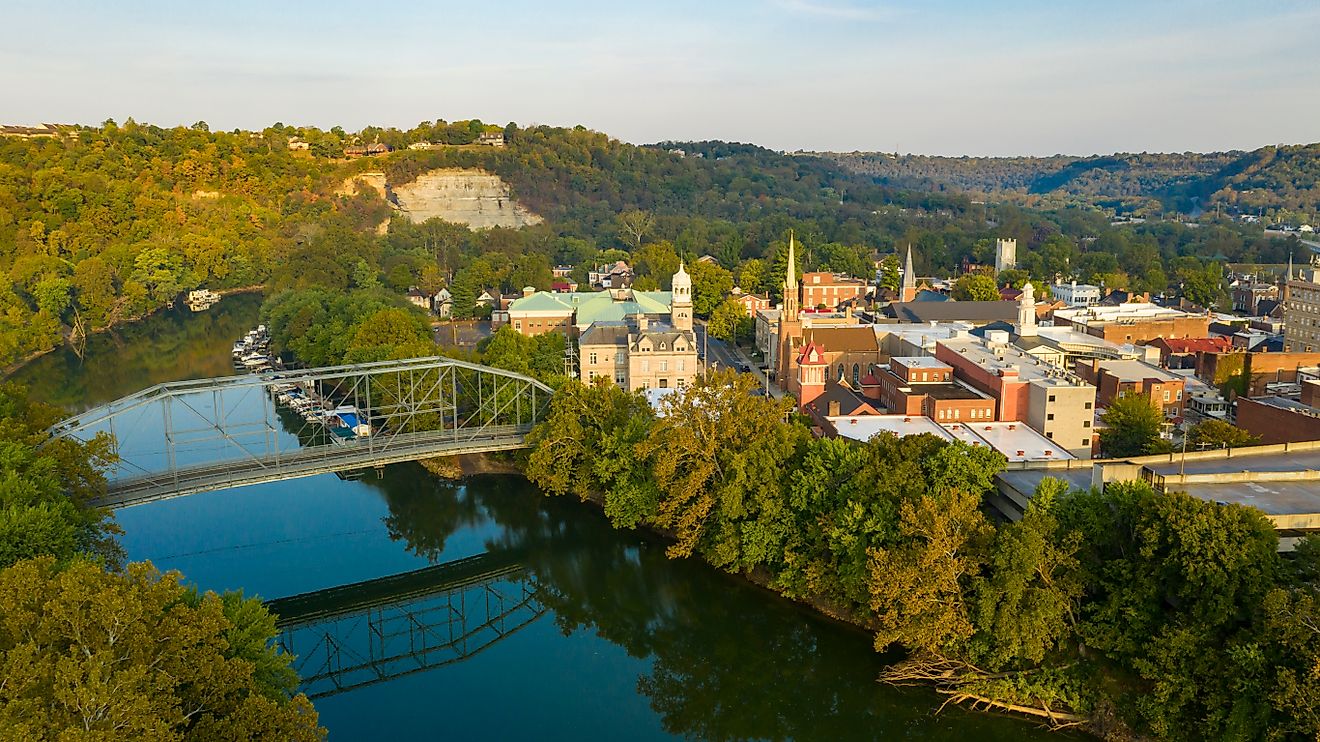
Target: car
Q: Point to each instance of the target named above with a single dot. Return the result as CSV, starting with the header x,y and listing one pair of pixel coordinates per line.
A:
x,y
745,368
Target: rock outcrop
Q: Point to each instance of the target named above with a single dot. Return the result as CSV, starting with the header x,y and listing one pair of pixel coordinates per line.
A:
x,y
473,197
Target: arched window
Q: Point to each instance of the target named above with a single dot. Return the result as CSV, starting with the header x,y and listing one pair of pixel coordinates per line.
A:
x,y
840,372
857,375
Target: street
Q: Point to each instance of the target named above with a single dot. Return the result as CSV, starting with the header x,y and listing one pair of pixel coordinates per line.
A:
x,y
719,354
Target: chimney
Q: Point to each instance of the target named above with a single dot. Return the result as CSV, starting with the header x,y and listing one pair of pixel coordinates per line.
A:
x,y
528,290
834,408
641,323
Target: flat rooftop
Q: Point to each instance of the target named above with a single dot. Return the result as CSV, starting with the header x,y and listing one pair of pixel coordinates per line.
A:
x,y
946,390
1133,312
1015,440
866,427
995,357
920,362
1137,371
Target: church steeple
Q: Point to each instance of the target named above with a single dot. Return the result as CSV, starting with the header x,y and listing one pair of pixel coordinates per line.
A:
x,y
908,290
790,281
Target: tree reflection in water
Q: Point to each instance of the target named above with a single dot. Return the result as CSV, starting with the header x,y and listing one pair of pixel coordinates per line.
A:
x,y
728,660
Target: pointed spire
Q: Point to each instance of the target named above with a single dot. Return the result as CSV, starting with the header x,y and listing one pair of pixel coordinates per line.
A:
x,y
790,280
908,289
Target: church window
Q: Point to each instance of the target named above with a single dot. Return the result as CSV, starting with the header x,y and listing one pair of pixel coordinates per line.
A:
x,y
840,372
857,374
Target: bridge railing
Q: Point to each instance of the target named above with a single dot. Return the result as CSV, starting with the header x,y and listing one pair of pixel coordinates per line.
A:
x,y
191,436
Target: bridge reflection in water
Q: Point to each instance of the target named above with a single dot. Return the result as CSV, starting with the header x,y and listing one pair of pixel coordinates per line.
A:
x,y
352,636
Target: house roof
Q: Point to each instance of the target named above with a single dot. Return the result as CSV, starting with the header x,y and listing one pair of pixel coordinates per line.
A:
x,y
596,306
850,402
928,295
943,311
605,333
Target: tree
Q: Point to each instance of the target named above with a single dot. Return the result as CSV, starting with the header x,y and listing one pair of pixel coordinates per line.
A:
x,y
718,454
1219,434
711,285
634,225
729,321
889,278
657,261
752,276
919,586
89,654
1132,427
975,287
1014,278
392,333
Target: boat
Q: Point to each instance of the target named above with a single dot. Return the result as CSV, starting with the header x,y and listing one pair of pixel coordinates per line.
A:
x,y
347,417
200,300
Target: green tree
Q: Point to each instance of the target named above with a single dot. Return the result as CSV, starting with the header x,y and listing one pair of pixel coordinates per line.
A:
x,y
718,456
711,285
975,287
88,654
1132,427
889,278
1219,434
729,321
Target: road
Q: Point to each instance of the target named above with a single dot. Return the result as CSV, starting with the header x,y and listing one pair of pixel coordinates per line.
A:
x,y
720,354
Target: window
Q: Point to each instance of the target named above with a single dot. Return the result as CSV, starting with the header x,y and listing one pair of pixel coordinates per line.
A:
x,y
1050,416
1051,397
1166,395
664,365
857,374
517,324
957,413
593,359
1088,405
619,378
664,383
1085,442
1179,394
662,346
840,372
1086,423
682,365
618,357
1049,435
646,366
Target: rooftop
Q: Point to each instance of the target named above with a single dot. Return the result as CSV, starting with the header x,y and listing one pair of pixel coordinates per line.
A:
x,y
999,358
1136,371
928,311
866,427
1131,312
1015,440
928,362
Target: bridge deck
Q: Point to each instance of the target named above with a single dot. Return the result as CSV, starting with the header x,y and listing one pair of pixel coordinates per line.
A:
x,y
356,453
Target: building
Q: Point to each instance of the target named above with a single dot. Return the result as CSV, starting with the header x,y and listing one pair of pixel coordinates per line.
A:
x,y
1138,322
1005,254
1248,295
39,131
766,323
297,144
613,276
419,298
1113,379
491,138
1076,294
572,313
366,150
1017,442
925,386
1262,370
443,304
979,312
839,399
1184,352
1055,403
753,303
1276,419
638,354
1301,311
829,290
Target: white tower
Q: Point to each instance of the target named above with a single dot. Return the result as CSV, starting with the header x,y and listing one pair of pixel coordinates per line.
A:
x,y
1026,324
1005,254
680,309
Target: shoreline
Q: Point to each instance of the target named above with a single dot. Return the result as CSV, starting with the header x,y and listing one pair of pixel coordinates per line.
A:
x,y
17,365
461,467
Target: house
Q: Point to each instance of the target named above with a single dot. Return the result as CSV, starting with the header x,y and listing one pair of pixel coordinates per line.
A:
x,y
369,150
29,132
491,139
708,260
419,298
296,144
839,398
443,304
1076,294
829,290
561,271
564,287
752,303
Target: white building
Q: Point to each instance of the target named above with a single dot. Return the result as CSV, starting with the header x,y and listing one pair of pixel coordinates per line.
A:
x,y
1076,294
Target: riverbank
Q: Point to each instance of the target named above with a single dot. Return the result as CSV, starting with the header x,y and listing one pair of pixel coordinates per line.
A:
x,y
119,322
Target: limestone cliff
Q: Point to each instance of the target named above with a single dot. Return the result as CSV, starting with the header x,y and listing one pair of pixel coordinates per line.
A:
x,y
472,197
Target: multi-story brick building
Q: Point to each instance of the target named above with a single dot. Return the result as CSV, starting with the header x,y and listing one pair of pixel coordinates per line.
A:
x,y
1301,312
1051,401
828,290
925,386
1115,378
1138,322
638,354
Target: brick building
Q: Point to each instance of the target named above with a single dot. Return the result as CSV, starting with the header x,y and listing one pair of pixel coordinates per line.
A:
x,y
1115,378
1278,420
923,385
1134,322
821,289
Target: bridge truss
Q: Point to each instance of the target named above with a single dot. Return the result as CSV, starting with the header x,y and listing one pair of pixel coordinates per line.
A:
x,y
370,632
194,436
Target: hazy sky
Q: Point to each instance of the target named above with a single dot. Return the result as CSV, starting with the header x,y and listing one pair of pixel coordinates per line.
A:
x,y
933,76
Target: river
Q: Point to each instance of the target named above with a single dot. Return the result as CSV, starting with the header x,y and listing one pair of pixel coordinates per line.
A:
x,y
560,628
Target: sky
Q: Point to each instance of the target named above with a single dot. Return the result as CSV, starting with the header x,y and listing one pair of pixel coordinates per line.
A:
x,y
941,77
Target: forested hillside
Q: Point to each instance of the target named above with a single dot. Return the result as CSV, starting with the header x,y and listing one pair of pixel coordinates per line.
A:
x,y
107,223
1282,183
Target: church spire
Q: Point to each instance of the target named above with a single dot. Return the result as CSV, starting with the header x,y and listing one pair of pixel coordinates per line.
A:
x,y
908,290
790,280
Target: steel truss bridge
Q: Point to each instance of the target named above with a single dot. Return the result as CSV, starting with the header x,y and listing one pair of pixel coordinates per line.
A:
x,y
369,632
196,436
